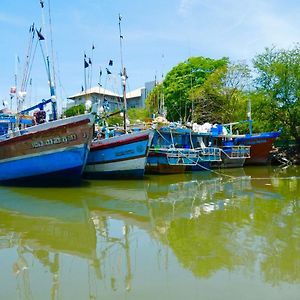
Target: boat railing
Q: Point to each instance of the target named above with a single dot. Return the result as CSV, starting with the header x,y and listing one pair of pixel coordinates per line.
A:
x,y
209,153
13,133
182,156
238,151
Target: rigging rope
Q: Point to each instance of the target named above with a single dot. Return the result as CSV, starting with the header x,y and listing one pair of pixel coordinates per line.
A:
x,y
51,45
29,59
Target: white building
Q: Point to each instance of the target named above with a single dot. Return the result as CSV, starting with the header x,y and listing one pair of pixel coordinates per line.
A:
x,y
99,95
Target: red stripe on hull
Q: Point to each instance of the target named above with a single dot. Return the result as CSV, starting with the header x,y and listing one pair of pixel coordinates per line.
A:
x,y
72,134
104,144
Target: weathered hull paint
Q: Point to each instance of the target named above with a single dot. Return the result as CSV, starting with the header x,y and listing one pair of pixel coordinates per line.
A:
x,y
232,162
49,152
119,156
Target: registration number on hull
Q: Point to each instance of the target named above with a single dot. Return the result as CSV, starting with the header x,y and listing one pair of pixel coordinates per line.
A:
x,y
54,141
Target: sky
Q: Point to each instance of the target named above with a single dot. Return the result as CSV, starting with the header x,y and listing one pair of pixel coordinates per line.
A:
x,y
158,35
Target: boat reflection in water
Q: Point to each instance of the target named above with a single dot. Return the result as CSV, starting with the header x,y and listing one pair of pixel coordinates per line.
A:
x,y
105,239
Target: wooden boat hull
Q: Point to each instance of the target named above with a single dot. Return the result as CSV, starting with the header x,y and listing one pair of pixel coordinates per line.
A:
x,y
119,156
164,169
261,145
51,152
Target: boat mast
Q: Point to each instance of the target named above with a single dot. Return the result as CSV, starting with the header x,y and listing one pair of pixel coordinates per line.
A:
x,y
14,91
47,62
53,79
123,77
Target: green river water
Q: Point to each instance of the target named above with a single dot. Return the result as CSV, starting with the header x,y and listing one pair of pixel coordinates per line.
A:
x,y
190,236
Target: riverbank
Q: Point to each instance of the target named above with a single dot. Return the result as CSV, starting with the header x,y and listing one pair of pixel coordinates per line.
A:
x,y
285,155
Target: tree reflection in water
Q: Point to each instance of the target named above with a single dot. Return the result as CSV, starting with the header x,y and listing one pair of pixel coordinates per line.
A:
x,y
247,223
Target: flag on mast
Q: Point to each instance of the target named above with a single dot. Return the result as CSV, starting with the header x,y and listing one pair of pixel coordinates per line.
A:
x,y
40,36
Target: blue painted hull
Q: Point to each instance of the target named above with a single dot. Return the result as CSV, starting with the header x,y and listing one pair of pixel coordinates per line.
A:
x,y
64,166
45,154
118,157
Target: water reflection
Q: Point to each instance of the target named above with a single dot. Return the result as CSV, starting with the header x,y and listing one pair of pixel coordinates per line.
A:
x,y
245,221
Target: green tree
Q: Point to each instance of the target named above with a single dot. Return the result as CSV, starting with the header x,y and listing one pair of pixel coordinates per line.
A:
x,y
222,97
155,99
178,84
137,114
133,114
75,110
278,82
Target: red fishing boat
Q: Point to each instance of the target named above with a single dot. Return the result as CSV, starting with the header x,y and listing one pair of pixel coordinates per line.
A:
x,y
260,146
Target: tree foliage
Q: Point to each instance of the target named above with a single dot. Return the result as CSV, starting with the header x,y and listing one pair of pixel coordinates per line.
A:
x,y
75,110
214,90
278,82
178,84
222,97
155,100
134,115
137,114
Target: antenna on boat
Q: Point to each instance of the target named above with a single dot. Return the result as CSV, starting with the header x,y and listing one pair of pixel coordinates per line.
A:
x,y
249,115
14,89
162,100
123,76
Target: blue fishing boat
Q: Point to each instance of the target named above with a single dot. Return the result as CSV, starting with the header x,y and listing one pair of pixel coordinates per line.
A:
x,y
176,149
232,155
52,152
119,156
